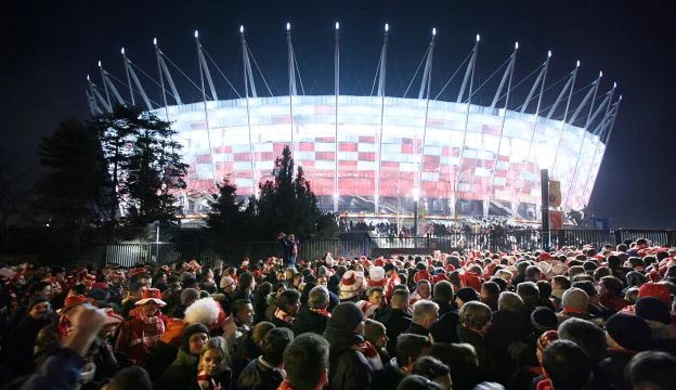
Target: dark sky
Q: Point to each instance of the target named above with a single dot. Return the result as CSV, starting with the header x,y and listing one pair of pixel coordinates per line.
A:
x,y
50,46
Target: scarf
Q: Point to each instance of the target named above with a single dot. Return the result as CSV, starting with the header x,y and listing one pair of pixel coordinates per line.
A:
x,y
271,367
323,312
63,327
284,316
153,325
206,382
371,354
285,385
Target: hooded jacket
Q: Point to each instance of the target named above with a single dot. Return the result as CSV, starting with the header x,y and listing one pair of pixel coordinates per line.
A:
x,y
348,367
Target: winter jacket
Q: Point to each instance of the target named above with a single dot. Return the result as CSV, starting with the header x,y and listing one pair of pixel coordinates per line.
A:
x,y
613,368
258,375
445,330
486,360
160,358
59,371
181,374
348,367
310,321
507,327
417,329
137,339
396,321
19,352
390,376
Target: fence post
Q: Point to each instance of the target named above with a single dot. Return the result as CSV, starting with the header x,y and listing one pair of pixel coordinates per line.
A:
x,y
671,238
618,236
428,241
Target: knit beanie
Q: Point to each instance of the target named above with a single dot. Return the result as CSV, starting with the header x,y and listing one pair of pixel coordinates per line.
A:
x,y
35,299
189,295
467,294
576,299
653,309
631,332
188,332
544,319
347,315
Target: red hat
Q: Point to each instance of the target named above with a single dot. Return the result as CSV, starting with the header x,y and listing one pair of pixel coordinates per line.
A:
x,y
470,279
72,301
112,316
137,272
439,277
379,262
449,268
351,284
150,294
194,265
422,275
656,290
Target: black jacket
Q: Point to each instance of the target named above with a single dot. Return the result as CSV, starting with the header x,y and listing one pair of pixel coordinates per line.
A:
x,y
444,307
445,330
257,376
396,321
390,376
417,329
348,367
613,369
486,361
309,321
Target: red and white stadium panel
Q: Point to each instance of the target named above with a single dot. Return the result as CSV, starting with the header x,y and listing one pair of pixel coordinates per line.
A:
x,y
485,173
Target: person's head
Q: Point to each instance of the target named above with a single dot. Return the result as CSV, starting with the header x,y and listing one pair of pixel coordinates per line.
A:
x,y
322,280
246,281
409,348
507,275
130,378
289,302
243,311
575,300
544,288
41,288
274,343
464,295
306,362
375,333
567,365
560,282
509,301
475,316
433,370
489,293
214,356
424,289
260,330
533,273
39,307
418,382
347,316
193,339
400,299
529,293
375,296
652,370
625,332
589,336
318,298
425,313
443,291
611,285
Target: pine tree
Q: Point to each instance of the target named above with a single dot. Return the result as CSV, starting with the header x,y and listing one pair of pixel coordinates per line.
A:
x,y
226,217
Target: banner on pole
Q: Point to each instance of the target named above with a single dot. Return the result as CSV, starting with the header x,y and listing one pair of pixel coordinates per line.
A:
x,y
554,193
555,219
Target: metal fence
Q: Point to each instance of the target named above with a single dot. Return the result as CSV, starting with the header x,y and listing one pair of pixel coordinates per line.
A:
x,y
349,246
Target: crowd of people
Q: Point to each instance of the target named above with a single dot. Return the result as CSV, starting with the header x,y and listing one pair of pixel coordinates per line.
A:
x,y
562,319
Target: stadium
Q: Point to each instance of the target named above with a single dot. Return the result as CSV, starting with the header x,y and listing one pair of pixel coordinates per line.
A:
x,y
383,155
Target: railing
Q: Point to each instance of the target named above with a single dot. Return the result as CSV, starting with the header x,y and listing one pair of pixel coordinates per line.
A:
x,y
350,246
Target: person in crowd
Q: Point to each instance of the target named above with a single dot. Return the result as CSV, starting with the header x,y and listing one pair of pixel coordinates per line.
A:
x,y
316,316
236,329
418,382
245,287
376,334
396,318
475,321
434,370
351,286
288,306
652,370
490,291
626,336
423,290
443,296
374,303
271,300
140,334
409,348
425,313
182,373
290,249
306,362
267,370
567,367
464,295
348,367
213,372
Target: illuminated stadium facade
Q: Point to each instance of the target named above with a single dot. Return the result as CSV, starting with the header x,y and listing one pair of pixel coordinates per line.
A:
x,y
384,153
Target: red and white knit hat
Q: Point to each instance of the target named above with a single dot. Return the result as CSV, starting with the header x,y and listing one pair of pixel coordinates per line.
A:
x,y
351,284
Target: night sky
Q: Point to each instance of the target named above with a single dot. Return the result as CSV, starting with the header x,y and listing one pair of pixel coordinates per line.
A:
x,y
50,47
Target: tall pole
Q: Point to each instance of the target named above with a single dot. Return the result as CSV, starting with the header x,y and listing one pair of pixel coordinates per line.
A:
x,y
565,117
544,184
292,83
381,92
537,109
336,69
126,71
158,54
105,85
206,109
245,60
427,81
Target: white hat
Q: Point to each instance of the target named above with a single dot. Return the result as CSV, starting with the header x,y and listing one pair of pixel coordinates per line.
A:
x,y
351,284
377,274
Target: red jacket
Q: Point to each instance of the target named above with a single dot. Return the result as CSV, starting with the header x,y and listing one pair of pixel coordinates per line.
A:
x,y
138,337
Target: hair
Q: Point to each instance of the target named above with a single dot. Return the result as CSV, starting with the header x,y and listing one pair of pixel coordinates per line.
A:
x,y
443,291
492,288
652,370
505,274
562,281
528,291
318,298
216,343
567,365
457,354
532,271
306,359
430,368
260,330
274,343
239,305
509,301
589,336
475,314
575,270
544,288
288,297
399,298
373,330
422,309
502,283
601,272
37,286
131,378
612,284
418,382
245,280
409,348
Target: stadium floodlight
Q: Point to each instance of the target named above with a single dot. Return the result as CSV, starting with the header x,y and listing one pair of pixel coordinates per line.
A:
x,y
387,27
88,78
416,194
434,31
516,45
337,26
241,29
578,64
122,50
600,73
197,34
549,54
99,63
155,41
288,26
615,84
478,38
620,97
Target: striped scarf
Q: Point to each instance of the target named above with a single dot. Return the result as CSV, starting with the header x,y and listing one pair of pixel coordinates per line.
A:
x,y
153,326
284,316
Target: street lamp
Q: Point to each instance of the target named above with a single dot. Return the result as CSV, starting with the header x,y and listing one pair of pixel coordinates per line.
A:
x,y
416,198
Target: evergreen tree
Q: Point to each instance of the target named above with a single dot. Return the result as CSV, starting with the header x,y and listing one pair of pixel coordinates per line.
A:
x,y
226,217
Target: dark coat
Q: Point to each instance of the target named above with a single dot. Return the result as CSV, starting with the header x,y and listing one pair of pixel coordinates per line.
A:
x,y
181,374
309,321
396,321
160,358
444,307
479,343
257,376
445,330
417,329
348,367
281,324
19,352
390,376
613,369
